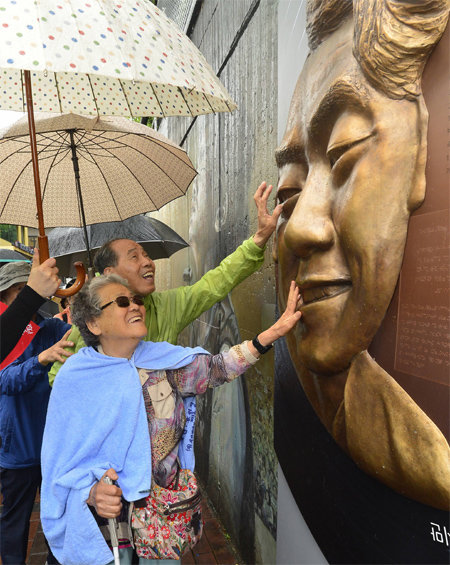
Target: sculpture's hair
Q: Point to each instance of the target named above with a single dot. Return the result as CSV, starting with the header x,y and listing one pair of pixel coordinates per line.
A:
x,y
392,38
323,17
86,305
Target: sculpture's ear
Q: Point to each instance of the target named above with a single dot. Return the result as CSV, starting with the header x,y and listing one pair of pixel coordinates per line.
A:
x,y
418,184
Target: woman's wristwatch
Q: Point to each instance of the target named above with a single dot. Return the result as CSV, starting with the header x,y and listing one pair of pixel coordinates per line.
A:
x,y
260,347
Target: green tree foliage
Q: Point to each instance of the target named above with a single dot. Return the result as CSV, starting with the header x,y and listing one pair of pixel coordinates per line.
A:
x,y
8,232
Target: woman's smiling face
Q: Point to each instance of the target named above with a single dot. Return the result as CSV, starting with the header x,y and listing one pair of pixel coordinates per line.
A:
x,y
351,170
116,324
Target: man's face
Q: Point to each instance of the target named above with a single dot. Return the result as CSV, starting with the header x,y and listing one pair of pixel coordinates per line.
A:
x,y
134,265
350,172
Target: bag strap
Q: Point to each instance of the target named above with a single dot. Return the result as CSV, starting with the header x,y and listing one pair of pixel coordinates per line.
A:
x,y
177,476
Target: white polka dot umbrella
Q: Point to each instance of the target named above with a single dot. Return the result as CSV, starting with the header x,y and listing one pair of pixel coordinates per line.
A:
x,y
99,57
103,57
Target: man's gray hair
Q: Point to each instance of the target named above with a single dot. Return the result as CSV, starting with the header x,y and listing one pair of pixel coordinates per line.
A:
x,y
86,305
106,256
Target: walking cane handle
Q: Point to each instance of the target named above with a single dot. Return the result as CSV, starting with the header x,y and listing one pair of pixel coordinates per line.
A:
x,y
81,271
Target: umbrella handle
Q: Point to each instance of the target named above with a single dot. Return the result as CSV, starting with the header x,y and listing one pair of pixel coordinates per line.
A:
x,y
81,271
77,285
42,238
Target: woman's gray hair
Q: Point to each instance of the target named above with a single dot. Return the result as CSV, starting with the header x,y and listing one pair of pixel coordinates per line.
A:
x,y
86,305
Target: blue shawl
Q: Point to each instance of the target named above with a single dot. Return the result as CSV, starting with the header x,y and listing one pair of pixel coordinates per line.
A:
x,y
96,420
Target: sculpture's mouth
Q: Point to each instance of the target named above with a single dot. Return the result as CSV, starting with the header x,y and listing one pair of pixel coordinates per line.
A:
x,y
314,291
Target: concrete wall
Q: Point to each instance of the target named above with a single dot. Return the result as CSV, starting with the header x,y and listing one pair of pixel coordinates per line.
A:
x,y
233,153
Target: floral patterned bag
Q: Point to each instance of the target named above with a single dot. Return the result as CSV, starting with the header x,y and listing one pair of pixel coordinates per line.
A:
x,y
171,520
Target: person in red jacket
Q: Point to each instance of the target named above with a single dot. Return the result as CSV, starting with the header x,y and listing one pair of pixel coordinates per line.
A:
x,y
24,395
42,283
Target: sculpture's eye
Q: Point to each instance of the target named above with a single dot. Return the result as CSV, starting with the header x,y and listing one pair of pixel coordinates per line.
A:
x,y
347,141
291,180
288,196
285,194
335,153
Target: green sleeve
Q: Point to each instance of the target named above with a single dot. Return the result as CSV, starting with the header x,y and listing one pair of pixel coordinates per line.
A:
x,y
170,311
217,283
79,343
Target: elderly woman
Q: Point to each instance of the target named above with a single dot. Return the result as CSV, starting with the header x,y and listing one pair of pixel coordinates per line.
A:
x,y
122,408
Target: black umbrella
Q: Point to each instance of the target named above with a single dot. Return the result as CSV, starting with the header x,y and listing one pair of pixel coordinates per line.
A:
x,y
9,255
68,244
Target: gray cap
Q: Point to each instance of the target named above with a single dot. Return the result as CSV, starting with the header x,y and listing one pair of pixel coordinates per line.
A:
x,y
14,273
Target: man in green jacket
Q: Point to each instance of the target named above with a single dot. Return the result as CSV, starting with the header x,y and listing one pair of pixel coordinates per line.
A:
x,y
170,311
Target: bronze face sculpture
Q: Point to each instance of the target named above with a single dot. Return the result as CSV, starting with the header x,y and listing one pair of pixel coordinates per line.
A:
x,y
351,171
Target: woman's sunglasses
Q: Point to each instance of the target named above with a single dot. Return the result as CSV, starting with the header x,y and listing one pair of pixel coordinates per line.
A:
x,y
124,301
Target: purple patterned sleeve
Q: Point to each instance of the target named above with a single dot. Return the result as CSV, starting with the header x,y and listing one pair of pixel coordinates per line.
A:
x,y
209,371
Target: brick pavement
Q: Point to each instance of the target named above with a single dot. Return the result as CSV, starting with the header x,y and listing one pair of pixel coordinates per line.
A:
x,y
213,549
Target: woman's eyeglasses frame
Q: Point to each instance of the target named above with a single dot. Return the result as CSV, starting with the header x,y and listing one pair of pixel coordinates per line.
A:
x,y
125,301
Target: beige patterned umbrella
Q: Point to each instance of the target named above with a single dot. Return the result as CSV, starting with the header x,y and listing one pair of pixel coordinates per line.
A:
x,y
92,170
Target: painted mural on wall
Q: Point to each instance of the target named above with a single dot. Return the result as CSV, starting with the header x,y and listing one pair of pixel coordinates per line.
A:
x,y
352,169
233,153
217,330
233,461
